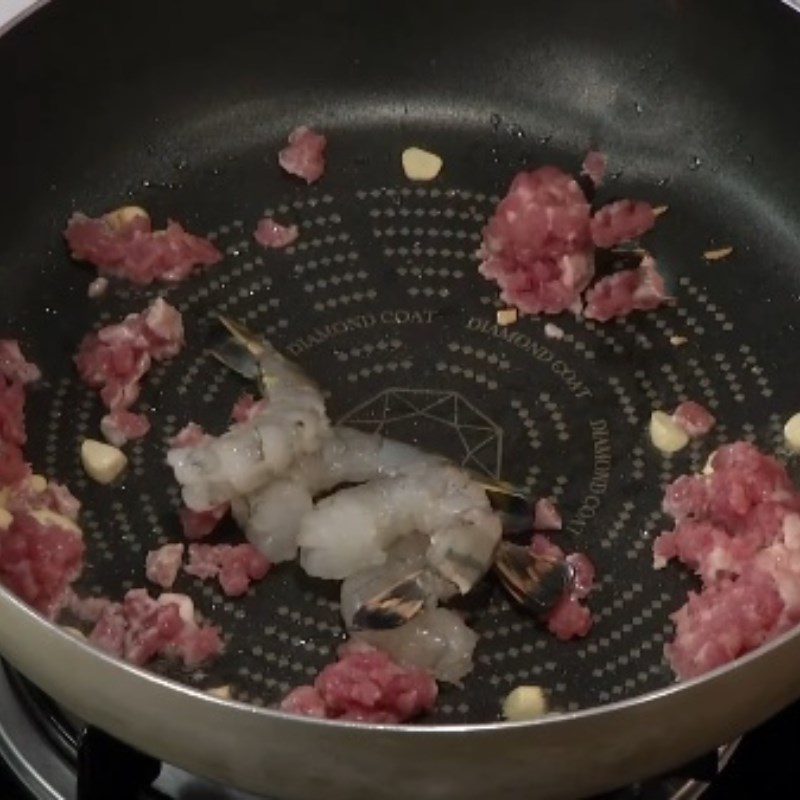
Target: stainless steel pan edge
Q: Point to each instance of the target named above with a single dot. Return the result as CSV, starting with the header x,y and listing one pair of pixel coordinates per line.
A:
x,y
262,751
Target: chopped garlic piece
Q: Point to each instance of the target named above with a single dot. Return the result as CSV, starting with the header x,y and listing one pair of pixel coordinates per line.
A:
x,y
552,331
37,483
221,692
666,434
708,469
791,432
5,519
524,702
717,255
507,316
420,165
659,210
122,216
677,341
101,461
44,516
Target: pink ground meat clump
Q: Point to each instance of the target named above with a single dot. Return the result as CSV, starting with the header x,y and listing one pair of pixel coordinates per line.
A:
x,y
694,418
114,360
140,629
39,559
234,566
272,234
570,618
14,366
41,549
124,244
304,155
13,436
595,165
617,295
365,685
15,373
738,529
163,564
620,222
539,246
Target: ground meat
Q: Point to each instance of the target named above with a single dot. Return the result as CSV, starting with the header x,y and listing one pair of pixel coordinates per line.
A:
x,y
39,558
162,565
246,408
236,566
115,359
13,467
617,295
120,426
269,233
124,244
738,528
539,245
594,165
694,419
140,629
723,622
13,365
199,524
570,618
367,686
304,156
546,516
621,221
536,246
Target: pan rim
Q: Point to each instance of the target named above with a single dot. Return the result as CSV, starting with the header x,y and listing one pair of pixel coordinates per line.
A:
x,y
550,720
12,14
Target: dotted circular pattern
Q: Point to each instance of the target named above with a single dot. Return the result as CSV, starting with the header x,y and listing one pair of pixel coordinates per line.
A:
x,y
380,300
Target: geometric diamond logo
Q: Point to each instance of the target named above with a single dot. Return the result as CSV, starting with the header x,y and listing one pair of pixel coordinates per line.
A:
x,y
439,421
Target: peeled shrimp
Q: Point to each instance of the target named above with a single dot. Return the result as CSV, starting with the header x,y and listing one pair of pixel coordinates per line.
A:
x,y
271,515
352,530
436,639
251,454
404,559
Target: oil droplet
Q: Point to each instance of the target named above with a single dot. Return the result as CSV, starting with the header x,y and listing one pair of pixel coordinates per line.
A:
x,y
662,181
638,107
695,163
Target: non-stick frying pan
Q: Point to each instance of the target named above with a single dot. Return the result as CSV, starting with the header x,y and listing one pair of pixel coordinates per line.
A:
x,y
181,107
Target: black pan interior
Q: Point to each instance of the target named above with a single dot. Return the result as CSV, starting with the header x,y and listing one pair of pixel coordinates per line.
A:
x,y
181,107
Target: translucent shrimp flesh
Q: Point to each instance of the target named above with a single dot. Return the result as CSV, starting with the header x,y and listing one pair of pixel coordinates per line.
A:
x,y
353,529
271,515
253,453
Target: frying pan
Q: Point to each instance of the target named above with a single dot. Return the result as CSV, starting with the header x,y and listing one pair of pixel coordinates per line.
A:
x,y
181,107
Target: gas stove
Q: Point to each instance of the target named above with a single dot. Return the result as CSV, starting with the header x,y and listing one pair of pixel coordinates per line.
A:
x,y
45,754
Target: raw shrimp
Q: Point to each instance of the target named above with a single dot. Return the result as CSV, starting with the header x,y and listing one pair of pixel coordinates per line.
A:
x,y
405,560
436,640
252,453
271,515
353,529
